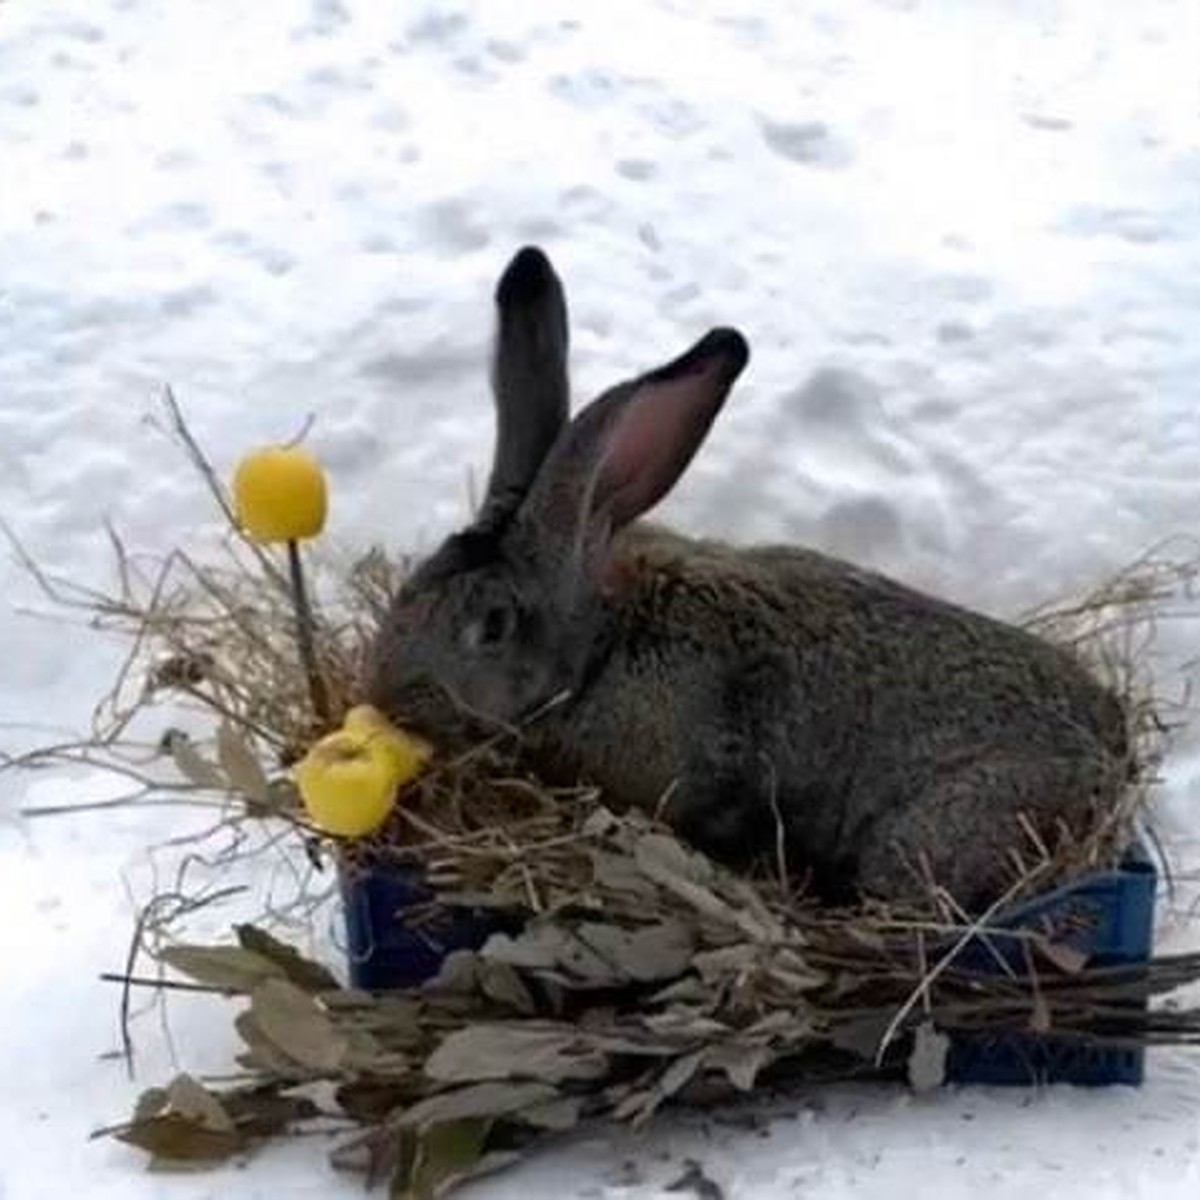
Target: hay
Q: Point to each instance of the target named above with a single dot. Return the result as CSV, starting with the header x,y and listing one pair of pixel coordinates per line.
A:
x,y
640,972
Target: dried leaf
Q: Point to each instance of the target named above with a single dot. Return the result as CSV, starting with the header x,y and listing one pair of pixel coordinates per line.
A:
x,y
646,955
640,1042
459,973
191,764
727,960
596,954
262,1054
183,1123
297,1025
1067,958
264,1111
443,1157
396,1020
150,1103
543,946
492,1100
632,1102
789,1023
663,861
348,999
172,1137
684,1026
601,823
619,873
927,1060
658,854
768,926
230,968
304,973
525,1050
739,1062
368,1053
499,982
1040,1019
688,990
640,1106
197,1104
680,1073
240,764
555,1116
789,966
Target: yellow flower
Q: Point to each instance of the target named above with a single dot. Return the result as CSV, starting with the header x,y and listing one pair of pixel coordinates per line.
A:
x,y
349,779
279,494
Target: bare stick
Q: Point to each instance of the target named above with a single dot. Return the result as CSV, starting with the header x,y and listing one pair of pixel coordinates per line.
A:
x,y
304,635
165,985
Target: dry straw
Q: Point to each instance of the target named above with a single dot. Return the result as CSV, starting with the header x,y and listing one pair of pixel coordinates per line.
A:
x,y
637,972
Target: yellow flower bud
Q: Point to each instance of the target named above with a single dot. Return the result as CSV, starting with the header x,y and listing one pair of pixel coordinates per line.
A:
x,y
279,494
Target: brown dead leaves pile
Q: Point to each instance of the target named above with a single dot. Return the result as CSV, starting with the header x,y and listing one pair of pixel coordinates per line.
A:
x,y
663,979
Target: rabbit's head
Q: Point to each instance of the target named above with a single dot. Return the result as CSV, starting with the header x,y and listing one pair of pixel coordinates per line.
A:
x,y
510,614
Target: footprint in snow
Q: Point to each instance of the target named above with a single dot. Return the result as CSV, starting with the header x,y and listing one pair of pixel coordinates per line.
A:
x,y
811,143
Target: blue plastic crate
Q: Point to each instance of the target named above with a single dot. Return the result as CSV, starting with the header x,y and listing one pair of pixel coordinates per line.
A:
x,y
1109,918
387,949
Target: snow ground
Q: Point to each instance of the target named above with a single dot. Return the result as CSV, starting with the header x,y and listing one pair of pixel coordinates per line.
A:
x,y
963,240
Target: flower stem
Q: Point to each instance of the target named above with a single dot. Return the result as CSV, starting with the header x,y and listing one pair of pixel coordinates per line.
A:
x,y
304,634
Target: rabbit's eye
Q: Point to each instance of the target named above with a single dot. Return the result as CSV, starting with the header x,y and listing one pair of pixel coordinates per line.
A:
x,y
495,626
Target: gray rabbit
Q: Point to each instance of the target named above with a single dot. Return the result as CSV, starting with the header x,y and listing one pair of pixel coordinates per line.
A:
x,y
759,698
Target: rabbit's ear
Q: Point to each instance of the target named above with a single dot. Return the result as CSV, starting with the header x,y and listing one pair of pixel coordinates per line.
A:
x,y
529,378
661,423
626,450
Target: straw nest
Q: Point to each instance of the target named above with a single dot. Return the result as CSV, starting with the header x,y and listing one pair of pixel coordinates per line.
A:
x,y
634,971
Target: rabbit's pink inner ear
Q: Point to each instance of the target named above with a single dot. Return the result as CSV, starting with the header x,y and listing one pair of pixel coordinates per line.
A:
x,y
656,437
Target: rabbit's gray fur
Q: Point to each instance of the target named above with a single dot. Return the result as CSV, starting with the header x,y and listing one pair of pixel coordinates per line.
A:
x,y
888,736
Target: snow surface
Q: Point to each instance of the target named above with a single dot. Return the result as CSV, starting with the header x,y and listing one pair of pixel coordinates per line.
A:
x,y
964,240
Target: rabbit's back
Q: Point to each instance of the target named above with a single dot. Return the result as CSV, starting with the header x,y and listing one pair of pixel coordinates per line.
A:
x,y
840,694
894,658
